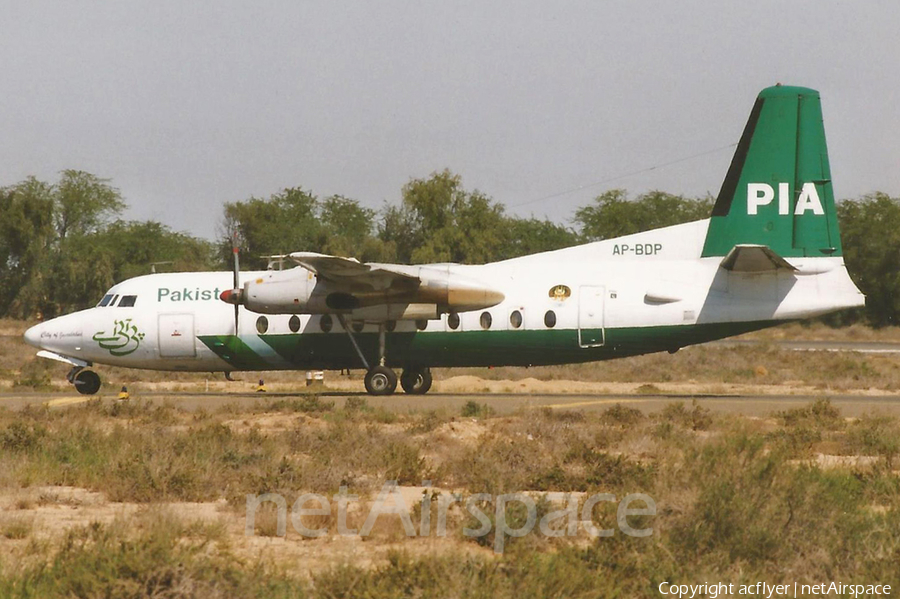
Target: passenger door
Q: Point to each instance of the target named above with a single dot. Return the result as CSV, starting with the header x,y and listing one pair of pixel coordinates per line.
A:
x,y
590,315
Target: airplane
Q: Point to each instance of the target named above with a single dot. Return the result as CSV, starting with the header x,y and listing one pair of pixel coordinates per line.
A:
x,y
769,253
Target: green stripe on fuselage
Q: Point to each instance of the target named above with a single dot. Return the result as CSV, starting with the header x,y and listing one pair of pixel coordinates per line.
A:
x,y
469,348
234,351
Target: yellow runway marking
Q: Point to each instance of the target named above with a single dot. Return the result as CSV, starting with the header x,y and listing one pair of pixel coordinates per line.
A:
x,y
68,401
595,402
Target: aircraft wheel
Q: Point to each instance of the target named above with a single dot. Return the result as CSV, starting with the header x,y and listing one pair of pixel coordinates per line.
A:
x,y
416,381
87,382
381,380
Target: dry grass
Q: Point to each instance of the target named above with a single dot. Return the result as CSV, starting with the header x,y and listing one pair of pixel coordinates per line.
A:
x,y
816,331
16,527
103,498
804,491
759,366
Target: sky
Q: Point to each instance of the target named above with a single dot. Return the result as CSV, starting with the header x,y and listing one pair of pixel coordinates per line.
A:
x,y
542,106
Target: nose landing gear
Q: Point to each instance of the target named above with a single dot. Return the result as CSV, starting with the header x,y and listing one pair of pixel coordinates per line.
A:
x,y
87,382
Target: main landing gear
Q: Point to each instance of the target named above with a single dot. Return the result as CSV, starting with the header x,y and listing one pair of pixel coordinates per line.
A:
x,y
416,381
87,382
381,380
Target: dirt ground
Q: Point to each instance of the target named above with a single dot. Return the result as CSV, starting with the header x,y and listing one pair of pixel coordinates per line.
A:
x,y
51,511
539,431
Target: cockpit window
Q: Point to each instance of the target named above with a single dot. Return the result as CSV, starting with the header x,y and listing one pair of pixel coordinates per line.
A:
x,y
105,301
127,301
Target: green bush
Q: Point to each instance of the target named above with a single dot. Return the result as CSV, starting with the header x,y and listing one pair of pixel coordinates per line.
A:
x,y
622,415
35,374
473,409
876,435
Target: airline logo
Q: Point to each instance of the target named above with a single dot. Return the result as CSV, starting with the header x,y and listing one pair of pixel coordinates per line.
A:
x,y
124,340
762,194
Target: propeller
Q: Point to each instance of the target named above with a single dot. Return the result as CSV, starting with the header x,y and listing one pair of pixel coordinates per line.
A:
x,y
234,295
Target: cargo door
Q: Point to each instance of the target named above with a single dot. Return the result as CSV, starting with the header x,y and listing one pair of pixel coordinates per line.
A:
x,y
176,336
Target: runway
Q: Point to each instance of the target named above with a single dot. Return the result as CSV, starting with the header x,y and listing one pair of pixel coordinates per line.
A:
x,y
500,403
863,347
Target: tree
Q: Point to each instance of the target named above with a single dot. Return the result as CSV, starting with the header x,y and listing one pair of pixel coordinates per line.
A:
x,y
59,250
349,230
401,232
83,203
285,222
612,214
870,235
294,220
439,221
47,246
138,247
82,270
26,235
529,236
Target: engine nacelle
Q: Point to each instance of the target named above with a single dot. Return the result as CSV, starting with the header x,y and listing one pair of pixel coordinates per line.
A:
x,y
280,292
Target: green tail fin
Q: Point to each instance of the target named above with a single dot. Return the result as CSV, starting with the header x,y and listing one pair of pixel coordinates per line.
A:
x,y
778,188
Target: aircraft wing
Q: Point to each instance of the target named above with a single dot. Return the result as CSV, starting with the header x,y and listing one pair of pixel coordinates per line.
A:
x,y
352,272
747,258
371,291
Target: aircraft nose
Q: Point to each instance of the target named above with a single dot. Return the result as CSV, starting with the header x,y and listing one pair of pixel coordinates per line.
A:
x,y
33,335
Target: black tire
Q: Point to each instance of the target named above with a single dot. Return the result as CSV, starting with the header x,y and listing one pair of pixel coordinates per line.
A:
x,y
381,380
87,382
416,381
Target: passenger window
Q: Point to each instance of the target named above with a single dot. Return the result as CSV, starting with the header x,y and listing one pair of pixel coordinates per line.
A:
x,y
550,319
127,301
515,319
453,320
486,320
105,301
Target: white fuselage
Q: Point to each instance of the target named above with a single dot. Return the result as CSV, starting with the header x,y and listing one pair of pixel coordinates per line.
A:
x,y
645,292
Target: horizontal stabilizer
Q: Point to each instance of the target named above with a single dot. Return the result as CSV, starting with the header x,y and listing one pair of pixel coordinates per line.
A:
x,y
754,259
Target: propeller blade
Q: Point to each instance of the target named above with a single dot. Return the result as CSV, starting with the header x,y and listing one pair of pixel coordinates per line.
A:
x,y
235,250
236,280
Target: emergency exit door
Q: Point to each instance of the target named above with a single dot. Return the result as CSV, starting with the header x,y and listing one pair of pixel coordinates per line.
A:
x,y
590,315
176,336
